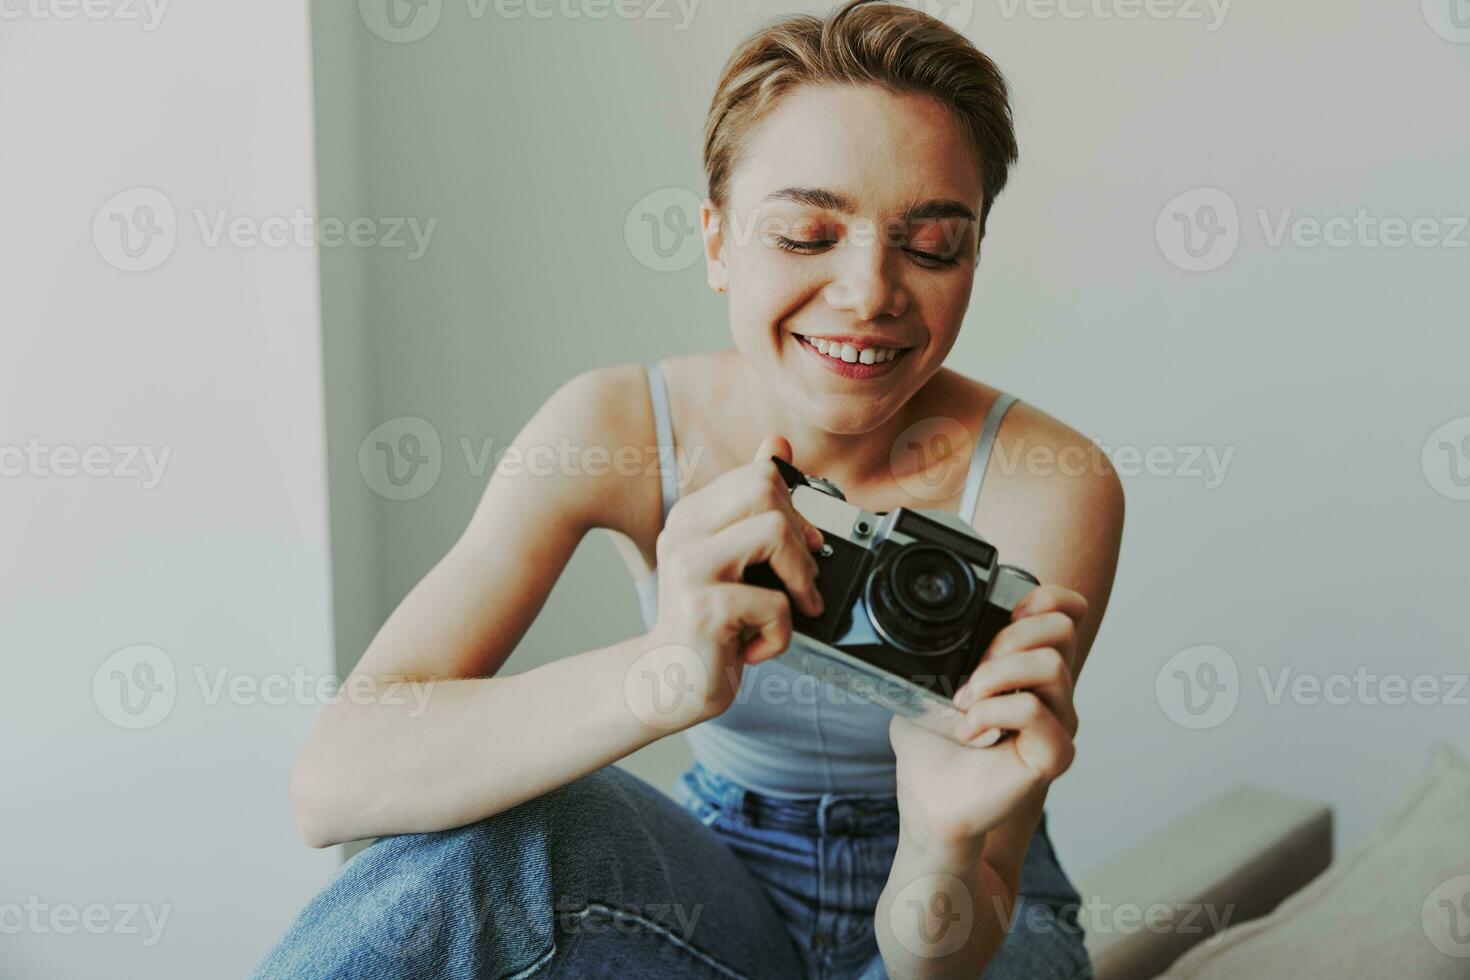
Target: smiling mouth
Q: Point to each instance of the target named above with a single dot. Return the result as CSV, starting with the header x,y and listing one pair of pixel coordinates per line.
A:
x,y
852,353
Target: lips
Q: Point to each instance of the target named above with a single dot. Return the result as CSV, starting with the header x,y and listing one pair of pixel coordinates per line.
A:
x,y
856,368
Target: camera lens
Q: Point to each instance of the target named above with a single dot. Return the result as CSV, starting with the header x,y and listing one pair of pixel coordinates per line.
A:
x,y
920,598
931,583
933,588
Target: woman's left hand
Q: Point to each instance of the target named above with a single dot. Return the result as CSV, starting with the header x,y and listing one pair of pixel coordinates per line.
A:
x,y
951,794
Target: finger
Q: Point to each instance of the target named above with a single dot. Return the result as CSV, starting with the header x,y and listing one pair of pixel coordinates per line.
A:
x,y
1049,629
764,537
772,446
765,611
742,493
1052,598
1043,672
778,446
1041,742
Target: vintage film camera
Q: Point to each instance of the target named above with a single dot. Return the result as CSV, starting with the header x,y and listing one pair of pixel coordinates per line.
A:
x,y
912,600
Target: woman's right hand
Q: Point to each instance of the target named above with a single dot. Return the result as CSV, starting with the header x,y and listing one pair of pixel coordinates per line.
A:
x,y
710,622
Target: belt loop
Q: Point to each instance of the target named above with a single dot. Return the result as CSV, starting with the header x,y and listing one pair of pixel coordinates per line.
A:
x,y
739,801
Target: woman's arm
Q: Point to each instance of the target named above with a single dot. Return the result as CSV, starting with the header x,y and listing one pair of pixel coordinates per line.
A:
x,y
968,815
458,744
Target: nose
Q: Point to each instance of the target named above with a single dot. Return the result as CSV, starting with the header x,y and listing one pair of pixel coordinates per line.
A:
x,y
867,285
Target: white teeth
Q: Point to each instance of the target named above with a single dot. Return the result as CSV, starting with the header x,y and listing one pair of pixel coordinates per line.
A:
x,y
852,354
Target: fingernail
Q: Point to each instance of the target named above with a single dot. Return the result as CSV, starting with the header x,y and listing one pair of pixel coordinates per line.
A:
x,y
964,697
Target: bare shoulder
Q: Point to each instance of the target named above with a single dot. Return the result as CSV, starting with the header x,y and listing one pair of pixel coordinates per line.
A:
x,y
1036,455
1058,466
1051,502
594,435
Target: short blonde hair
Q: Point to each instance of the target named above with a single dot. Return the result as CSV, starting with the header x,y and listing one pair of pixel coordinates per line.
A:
x,y
873,42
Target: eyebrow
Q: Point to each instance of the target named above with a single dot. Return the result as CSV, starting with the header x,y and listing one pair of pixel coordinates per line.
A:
x,y
819,197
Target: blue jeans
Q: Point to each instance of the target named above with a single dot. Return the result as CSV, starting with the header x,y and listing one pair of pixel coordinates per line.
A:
x,y
608,877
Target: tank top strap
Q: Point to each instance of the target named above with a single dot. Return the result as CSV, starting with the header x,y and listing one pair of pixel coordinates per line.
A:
x,y
663,429
981,457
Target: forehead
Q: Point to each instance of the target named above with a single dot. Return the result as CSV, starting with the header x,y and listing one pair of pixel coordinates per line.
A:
x,y
886,150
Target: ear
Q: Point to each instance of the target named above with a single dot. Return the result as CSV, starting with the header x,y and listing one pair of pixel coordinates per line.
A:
x,y
717,271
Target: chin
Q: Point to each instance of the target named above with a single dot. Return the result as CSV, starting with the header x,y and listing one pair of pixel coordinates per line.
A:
x,y
845,415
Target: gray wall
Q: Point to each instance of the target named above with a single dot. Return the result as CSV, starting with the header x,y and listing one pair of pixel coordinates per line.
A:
x,y
153,621
1333,543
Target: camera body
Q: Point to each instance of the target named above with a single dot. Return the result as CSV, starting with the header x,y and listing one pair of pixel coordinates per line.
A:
x,y
912,600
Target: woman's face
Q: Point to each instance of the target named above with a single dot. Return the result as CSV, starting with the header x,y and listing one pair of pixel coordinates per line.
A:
x,y
853,216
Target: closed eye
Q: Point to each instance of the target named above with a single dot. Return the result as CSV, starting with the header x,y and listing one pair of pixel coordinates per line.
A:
x,y
803,247
943,260
812,247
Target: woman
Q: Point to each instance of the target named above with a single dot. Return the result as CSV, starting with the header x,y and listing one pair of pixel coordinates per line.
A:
x,y
851,162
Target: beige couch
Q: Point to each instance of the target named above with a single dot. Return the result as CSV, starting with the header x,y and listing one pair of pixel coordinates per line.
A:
x,y
1246,887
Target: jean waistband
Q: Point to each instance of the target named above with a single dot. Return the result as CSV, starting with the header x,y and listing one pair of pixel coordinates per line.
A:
x,y
828,814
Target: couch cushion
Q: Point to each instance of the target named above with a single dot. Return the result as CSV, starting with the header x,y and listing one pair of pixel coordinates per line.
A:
x,y
1397,904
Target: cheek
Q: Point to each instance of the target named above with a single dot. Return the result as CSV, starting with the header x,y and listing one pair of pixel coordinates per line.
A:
x,y
765,284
